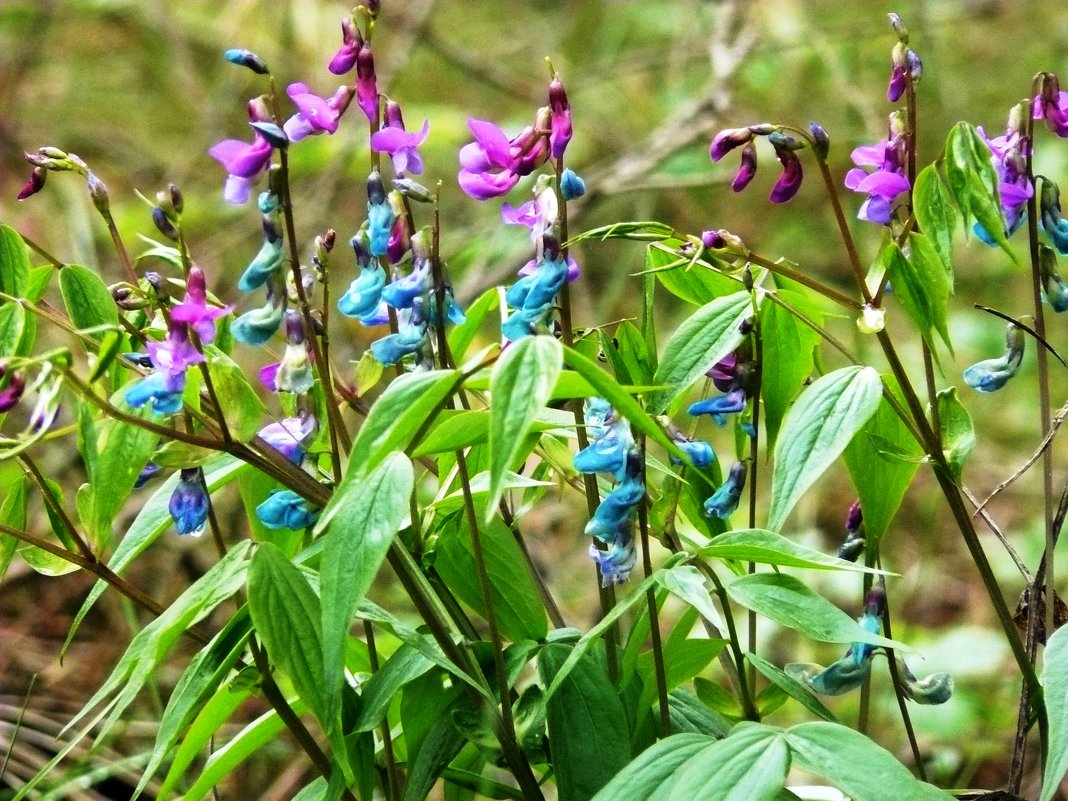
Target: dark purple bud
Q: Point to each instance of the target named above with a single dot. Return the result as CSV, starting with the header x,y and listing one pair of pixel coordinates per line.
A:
x,y
164,225
128,297
295,333
727,140
399,241
157,282
550,247
852,548
367,82
328,239
392,116
854,517
35,184
790,180
747,169
317,323
376,190
146,474
821,142
177,201
560,128
898,25
898,82
712,240
98,193
247,59
345,58
875,603
372,7
10,394
274,135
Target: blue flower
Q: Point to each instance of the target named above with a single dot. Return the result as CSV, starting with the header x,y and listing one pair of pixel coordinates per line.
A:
x,y
391,349
608,454
364,294
380,219
453,312
266,264
613,513
992,374
616,562
162,390
724,500
259,325
286,509
840,677
699,451
289,436
189,503
401,293
147,473
720,406
523,322
571,186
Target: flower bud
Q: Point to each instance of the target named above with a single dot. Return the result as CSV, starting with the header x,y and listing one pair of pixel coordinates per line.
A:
x,y
16,384
177,201
98,192
366,82
35,184
747,169
392,116
247,59
724,501
571,185
727,140
273,134
164,225
872,320
898,25
189,503
560,127
1053,288
821,142
712,240
413,190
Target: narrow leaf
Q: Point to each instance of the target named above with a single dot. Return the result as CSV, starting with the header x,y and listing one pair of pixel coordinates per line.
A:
x,y
935,214
1055,695
14,263
87,299
241,406
768,548
787,357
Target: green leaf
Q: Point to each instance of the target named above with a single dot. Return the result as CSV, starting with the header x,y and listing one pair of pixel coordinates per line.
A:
x,y
920,285
440,746
14,263
407,405
817,429
520,385
881,480
586,723
40,278
688,713
704,338
787,354
791,686
87,299
360,524
769,548
455,430
621,401
633,351
241,406
12,325
958,431
974,183
461,337
935,214
1055,696
790,603
12,514
687,583
697,284
683,659
653,768
287,618
855,765
516,601
377,693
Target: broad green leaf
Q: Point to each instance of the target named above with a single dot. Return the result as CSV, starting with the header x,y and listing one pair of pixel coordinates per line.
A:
x,y
426,701
787,350
817,429
856,765
621,401
242,408
586,723
920,285
461,337
287,617
201,680
633,351
455,430
687,583
407,405
683,659
516,601
697,284
790,603
704,338
642,778
12,514
750,764
40,278
14,263
881,479
791,686
935,214
359,525
1055,696
974,183
88,301
688,713
958,431
768,548
378,692
151,645
151,522
440,746
12,326
520,385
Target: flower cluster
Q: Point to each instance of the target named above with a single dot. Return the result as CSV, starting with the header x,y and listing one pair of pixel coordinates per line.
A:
x,y
1008,154
887,185
259,325
734,376
612,450
991,375
785,147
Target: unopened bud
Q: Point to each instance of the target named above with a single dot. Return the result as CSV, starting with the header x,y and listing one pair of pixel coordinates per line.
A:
x,y
177,201
35,184
163,224
821,142
914,66
413,190
376,190
247,59
392,116
763,128
99,193
898,25
274,135
712,240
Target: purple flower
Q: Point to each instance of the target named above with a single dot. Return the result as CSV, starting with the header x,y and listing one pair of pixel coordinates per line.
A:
x,y
244,160
189,503
1051,105
727,140
35,183
315,115
367,83
10,394
194,311
171,357
747,169
493,163
402,146
289,436
351,40
790,180
888,182
1009,156
560,130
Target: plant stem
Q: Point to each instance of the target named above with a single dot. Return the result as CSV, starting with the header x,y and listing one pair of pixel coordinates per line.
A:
x,y
748,705
393,787
902,706
650,597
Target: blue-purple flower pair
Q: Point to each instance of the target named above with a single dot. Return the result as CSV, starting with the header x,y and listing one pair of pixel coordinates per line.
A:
x,y
991,375
1008,154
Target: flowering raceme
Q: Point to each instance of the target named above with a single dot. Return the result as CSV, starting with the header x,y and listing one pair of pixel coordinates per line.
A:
x,y
1009,156
888,184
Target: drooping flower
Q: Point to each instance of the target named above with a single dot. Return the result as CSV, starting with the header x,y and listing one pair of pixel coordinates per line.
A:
x,y
148,472
720,406
1053,223
194,310
790,180
402,146
411,338
351,40
934,689
244,161
380,216
1054,290
189,503
1051,105
364,294
401,293
724,501
367,82
571,185
560,128
991,375
256,327
290,435
315,115
616,561
532,296
785,150
293,373
888,183
699,451
286,509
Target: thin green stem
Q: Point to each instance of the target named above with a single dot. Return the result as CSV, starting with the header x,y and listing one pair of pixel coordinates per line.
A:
x,y
744,687
393,779
843,228
56,508
120,248
902,705
650,598
801,278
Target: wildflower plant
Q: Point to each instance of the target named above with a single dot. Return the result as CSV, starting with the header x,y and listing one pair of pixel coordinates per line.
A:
x,y
419,463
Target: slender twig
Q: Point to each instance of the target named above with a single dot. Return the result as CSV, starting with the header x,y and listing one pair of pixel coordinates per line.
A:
x,y
650,597
393,779
902,705
748,705
56,508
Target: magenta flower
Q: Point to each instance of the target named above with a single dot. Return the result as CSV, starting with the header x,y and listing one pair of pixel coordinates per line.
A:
x,y
402,146
493,163
16,384
194,311
560,129
315,115
351,41
1051,105
888,182
244,161
1009,157
367,83
790,180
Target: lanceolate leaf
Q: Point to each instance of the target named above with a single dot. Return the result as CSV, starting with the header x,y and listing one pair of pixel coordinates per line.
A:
x,y
360,523
1055,696
241,406
958,431
653,768
935,214
921,288
881,479
816,431
704,338
87,299
787,351
791,686
769,548
856,765
14,263
520,385
974,183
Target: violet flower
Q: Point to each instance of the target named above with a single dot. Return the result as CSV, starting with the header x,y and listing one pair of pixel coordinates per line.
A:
x,y
493,164
1051,105
189,503
16,384
1009,156
351,41
315,115
290,435
170,358
194,310
560,128
790,180
402,146
724,501
367,83
244,161
886,185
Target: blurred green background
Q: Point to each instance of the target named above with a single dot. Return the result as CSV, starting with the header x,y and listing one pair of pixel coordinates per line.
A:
x,y
140,91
